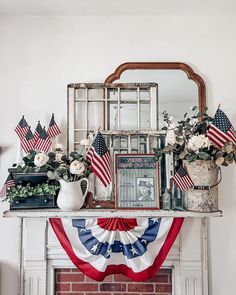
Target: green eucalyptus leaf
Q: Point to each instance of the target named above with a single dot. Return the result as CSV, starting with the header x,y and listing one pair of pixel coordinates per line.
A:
x,y
192,158
204,156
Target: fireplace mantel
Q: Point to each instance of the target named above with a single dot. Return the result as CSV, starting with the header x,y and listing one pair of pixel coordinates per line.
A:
x,y
40,252
108,213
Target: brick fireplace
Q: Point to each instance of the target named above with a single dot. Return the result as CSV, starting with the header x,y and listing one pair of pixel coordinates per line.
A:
x,y
70,281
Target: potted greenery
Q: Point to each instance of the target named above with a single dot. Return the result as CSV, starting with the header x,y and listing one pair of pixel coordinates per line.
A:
x,y
201,158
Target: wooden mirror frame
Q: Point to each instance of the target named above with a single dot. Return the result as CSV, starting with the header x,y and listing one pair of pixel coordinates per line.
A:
x,y
164,66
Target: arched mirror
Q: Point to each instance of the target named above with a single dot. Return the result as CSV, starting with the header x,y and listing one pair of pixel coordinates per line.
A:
x,y
179,87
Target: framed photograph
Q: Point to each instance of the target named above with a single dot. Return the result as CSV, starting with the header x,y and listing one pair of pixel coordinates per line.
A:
x,y
137,184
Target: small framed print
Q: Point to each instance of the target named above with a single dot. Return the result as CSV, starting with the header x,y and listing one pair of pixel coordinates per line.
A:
x,y
137,181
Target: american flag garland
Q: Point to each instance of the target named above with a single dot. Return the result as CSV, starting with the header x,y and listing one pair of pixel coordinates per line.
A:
x,y
135,247
100,159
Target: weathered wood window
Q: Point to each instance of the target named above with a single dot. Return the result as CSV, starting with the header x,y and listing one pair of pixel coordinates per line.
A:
x,y
127,115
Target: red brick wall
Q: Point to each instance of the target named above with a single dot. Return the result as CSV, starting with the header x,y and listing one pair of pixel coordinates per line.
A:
x,y
73,282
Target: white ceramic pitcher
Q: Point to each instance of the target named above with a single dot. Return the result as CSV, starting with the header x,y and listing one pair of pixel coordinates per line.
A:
x,y
71,197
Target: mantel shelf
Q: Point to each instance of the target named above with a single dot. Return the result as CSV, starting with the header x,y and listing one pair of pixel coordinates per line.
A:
x,y
106,213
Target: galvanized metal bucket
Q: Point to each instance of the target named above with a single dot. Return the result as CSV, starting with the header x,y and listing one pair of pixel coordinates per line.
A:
x,y
203,197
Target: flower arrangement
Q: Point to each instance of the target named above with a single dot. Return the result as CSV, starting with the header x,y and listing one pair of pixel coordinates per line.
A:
x,y
188,140
57,164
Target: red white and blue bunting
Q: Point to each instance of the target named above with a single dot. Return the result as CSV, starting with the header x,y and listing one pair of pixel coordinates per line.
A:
x,y
135,247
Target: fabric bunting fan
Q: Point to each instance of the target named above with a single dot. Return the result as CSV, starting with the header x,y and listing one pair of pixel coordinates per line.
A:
x,y
135,247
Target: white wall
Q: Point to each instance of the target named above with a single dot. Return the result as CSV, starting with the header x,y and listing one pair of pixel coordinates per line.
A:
x,y
39,56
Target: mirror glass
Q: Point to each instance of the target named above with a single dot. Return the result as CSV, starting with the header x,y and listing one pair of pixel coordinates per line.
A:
x,y
176,93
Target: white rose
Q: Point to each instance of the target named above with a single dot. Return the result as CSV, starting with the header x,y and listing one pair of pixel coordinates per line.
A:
x,y
170,137
85,142
77,167
40,159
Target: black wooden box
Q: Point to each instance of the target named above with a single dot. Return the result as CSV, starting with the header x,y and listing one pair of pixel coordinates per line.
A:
x,y
32,202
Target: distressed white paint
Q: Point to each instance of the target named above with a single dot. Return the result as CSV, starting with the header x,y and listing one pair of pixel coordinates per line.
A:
x,y
108,213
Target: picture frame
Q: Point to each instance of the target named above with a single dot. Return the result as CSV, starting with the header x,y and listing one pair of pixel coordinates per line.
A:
x,y
137,182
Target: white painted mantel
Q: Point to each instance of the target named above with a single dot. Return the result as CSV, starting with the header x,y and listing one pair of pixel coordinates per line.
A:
x,y
40,252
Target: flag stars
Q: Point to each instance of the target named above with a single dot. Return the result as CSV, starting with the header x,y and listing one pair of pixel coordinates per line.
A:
x,y
82,230
154,220
108,252
94,248
133,251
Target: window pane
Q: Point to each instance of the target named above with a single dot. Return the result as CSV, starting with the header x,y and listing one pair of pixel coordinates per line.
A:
x,y
80,93
128,94
144,94
95,93
128,116
80,115
95,115
134,142
112,93
145,116
113,116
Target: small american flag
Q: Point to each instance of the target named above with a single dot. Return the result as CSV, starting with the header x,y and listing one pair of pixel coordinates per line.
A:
x,y
221,130
44,142
28,141
37,131
22,128
182,179
53,129
100,159
8,183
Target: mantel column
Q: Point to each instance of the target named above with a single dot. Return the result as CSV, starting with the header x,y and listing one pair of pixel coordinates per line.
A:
x,y
34,259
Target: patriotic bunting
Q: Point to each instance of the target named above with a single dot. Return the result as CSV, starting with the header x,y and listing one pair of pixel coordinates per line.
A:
x,y
8,183
182,179
28,141
53,129
100,159
221,130
135,247
44,142
22,128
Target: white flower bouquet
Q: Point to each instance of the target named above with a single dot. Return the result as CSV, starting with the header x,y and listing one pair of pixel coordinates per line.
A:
x,y
57,165
188,140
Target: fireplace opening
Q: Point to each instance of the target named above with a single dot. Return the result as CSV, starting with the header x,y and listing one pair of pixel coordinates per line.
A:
x,y
70,281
